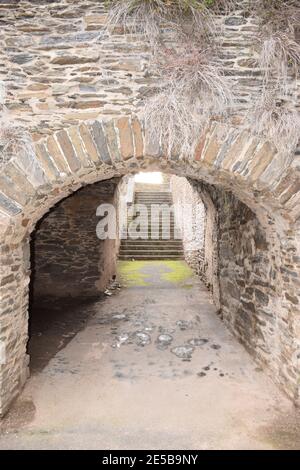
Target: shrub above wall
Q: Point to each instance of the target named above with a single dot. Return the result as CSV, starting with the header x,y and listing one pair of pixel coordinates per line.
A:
x,y
192,86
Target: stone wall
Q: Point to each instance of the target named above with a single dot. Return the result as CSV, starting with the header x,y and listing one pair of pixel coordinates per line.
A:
x,y
190,218
251,276
61,66
68,259
242,261
209,259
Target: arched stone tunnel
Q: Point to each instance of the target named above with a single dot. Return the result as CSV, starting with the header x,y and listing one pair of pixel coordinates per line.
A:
x,y
78,93
257,252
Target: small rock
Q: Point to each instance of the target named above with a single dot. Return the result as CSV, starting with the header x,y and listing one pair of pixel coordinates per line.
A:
x,y
184,352
201,374
183,324
142,338
121,339
197,341
166,339
120,316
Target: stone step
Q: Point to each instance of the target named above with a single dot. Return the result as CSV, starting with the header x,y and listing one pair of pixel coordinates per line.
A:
x,y
148,257
144,188
155,228
151,235
146,238
157,205
152,188
152,202
164,224
153,197
149,216
153,191
149,213
149,247
130,242
148,227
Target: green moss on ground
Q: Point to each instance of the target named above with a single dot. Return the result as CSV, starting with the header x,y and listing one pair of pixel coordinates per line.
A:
x,y
130,273
146,273
179,272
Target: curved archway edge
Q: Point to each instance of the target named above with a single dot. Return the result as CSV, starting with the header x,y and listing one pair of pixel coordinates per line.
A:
x,y
63,162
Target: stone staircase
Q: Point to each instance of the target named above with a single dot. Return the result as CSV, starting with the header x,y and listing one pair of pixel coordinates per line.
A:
x,y
151,244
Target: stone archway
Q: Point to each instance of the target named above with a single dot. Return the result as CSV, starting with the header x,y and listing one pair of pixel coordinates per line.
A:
x,y
94,151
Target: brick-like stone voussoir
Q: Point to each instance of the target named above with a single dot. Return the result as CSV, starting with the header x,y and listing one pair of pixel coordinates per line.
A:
x,y
235,161
112,140
288,186
89,144
126,138
138,138
12,191
237,149
78,146
57,155
19,180
68,151
46,162
101,142
8,206
214,141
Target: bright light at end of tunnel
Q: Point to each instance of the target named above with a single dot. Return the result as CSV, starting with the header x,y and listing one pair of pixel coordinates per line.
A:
x,y
154,177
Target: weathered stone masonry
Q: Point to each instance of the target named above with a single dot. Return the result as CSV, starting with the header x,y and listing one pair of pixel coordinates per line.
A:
x,y
192,223
68,258
202,251
51,68
274,203
249,275
61,68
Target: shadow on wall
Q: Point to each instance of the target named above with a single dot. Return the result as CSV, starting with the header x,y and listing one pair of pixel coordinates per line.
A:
x,y
70,268
239,261
68,259
198,217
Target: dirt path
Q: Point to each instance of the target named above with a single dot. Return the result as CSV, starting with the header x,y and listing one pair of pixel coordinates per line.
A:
x,y
153,367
